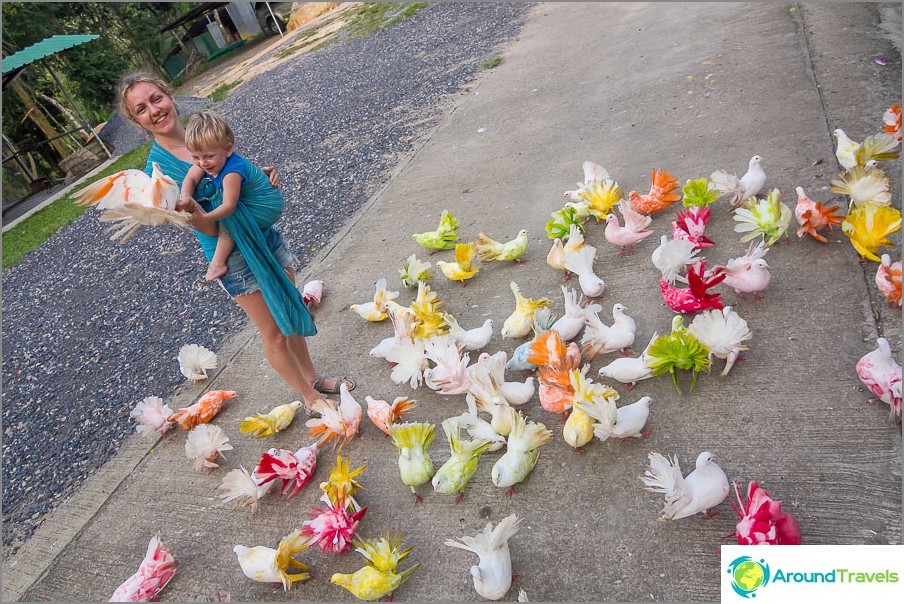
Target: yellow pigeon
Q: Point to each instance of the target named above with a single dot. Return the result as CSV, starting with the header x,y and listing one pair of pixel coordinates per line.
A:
x,y
461,269
519,322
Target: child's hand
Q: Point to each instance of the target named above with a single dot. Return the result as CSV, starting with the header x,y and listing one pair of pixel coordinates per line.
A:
x,y
274,176
186,204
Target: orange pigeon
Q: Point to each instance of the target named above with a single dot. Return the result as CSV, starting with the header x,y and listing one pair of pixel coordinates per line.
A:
x,y
888,280
662,194
812,216
555,362
892,119
202,411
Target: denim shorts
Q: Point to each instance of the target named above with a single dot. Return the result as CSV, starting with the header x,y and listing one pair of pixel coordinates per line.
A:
x,y
238,279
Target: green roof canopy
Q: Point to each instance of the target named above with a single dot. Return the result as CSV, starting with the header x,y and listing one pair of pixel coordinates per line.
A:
x,y
42,49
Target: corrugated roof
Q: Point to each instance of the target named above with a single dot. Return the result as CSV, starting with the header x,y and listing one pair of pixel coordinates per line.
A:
x,y
43,49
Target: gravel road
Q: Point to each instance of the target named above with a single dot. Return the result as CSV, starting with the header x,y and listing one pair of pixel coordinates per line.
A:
x,y
90,327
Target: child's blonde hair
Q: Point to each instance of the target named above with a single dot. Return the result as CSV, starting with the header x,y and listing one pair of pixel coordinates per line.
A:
x,y
130,80
207,129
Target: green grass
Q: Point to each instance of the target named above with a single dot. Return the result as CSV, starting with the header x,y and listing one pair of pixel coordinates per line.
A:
x,y
303,36
32,232
494,62
219,93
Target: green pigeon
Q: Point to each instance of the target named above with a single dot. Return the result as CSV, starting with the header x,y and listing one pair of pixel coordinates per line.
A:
x,y
521,453
412,440
455,474
676,351
489,250
444,237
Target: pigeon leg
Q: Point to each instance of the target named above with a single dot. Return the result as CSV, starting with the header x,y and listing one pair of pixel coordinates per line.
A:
x,y
758,297
460,498
510,491
418,499
626,352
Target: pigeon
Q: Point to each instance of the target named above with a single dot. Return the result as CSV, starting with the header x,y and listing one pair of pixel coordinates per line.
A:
x,y
881,374
703,489
154,572
521,454
563,221
762,520
863,186
672,256
332,527
699,193
375,310
892,120
194,361
634,231
380,577
518,323
455,474
336,422
850,153
542,322
556,257
412,441
869,226
748,273
768,218
678,351
629,421
414,271
204,444
813,217
690,224
742,188
629,370
888,280
443,238
477,427
722,331
489,250
594,177
383,414
151,414
312,293
463,268
514,393
696,297
242,488
470,339
493,575
663,193
588,398
600,338
581,264
131,198
203,410
571,323
341,486
450,375
297,467
276,420
268,565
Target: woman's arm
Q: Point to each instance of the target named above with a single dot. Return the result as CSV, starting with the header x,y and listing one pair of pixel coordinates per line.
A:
x,y
232,185
191,180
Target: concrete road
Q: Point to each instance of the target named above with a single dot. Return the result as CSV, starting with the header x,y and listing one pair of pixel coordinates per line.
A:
x,y
685,87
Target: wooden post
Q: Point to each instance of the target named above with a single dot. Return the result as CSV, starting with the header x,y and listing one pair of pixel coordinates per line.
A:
x,y
37,116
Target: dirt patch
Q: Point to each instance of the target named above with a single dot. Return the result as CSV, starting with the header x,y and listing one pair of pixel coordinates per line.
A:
x,y
261,58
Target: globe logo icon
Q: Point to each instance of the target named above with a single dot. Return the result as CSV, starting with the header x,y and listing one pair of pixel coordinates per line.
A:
x,y
748,575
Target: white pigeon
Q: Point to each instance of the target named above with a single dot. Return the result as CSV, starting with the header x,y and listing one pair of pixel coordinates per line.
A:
x,y
571,323
402,325
628,370
493,574
703,489
478,427
603,339
243,489
450,376
850,153
593,174
672,256
204,444
514,393
150,416
722,331
194,361
740,189
410,361
629,421
470,339
581,264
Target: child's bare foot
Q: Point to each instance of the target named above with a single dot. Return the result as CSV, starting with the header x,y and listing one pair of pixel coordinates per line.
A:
x,y
215,271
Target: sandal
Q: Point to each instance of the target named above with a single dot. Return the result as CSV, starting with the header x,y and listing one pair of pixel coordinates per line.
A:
x,y
319,384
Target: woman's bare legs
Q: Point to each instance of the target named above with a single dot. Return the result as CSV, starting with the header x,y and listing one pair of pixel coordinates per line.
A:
x,y
281,351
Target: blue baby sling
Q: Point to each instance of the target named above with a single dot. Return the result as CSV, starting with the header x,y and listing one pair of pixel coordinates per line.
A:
x,y
259,208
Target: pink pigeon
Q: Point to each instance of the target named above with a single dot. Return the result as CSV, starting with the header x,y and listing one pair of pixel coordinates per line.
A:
x,y
282,463
155,571
879,372
633,231
695,297
690,224
748,273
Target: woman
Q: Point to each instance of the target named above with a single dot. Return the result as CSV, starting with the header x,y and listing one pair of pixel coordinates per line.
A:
x,y
261,276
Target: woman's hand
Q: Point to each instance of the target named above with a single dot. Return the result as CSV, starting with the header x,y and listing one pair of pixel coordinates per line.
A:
x,y
274,176
199,219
